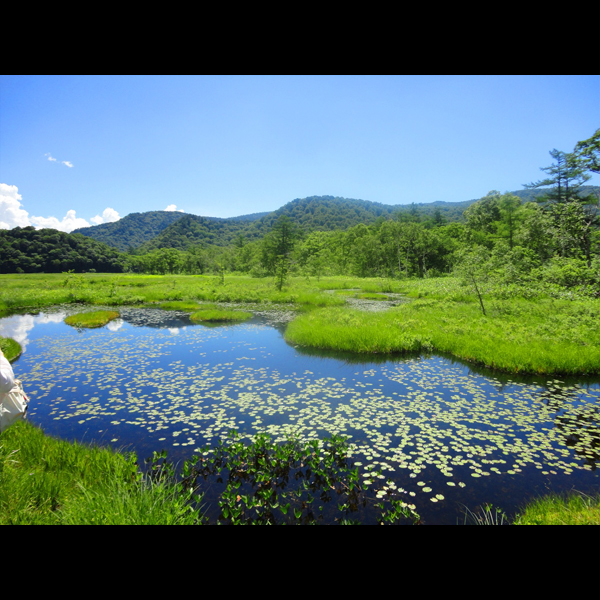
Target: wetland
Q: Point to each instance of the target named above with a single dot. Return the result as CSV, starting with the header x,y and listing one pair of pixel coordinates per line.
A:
x,y
436,432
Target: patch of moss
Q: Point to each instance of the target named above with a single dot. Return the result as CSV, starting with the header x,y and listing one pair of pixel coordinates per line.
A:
x,y
91,319
10,348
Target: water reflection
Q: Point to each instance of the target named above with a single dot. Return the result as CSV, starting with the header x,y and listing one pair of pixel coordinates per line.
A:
x,y
446,433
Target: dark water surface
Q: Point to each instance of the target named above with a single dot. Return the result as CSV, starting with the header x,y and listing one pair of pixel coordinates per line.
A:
x,y
445,435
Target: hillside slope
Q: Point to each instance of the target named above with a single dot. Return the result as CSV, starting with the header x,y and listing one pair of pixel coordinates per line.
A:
x,y
163,229
132,230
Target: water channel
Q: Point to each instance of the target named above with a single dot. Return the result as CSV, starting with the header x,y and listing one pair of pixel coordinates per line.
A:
x,y
446,435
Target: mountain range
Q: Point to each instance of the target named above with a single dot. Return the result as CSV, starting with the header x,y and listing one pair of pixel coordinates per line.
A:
x,y
142,232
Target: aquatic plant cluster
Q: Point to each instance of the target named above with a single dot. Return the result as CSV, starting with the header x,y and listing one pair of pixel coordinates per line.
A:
x,y
419,429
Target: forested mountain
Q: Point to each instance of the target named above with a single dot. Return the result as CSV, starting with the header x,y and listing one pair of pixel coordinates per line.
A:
x,y
132,230
30,250
329,235
163,229
192,230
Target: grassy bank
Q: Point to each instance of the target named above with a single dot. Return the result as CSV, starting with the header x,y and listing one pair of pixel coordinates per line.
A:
x,y
571,509
545,336
45,481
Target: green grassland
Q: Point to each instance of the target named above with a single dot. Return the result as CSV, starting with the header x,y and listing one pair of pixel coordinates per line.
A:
x,y
519,336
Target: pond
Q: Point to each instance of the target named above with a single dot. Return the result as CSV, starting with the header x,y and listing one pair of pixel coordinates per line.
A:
x,y
446,435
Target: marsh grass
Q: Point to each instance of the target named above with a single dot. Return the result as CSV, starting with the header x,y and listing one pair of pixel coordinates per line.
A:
x,y
37,290
567,509
485,515
45,481
543,337
180,305
216,315
10,348
371,296
93,319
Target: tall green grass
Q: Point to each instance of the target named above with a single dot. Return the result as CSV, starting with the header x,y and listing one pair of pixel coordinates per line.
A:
x,y
544,337
45,481
569,509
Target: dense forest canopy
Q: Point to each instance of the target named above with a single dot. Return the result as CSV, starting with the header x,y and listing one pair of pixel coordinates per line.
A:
x,y
551,228
30,250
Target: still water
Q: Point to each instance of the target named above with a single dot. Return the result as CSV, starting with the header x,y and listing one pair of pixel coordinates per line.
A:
x,y
445,435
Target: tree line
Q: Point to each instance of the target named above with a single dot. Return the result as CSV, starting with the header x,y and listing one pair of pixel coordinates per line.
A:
x,y
555,235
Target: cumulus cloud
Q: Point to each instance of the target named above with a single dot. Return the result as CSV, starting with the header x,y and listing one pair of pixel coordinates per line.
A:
x,y
110,215
68,223
67,163
13,215
173,207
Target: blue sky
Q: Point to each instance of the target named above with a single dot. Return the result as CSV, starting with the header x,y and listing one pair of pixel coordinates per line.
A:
x,y
81,150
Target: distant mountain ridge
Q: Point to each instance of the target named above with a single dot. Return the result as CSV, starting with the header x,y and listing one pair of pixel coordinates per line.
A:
x,y
132,230
166,229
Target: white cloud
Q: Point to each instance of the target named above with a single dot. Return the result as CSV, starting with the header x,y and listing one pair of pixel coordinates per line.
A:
x,y
68,223
173,207
110,215
67,163
13,215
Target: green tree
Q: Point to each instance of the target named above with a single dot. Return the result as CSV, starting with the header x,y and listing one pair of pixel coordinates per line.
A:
x,y
473,268
587,153
482,218
509,206
576,228
277,249
566,178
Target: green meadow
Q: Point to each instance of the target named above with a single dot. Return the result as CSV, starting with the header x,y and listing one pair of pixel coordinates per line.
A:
x,y
545,336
